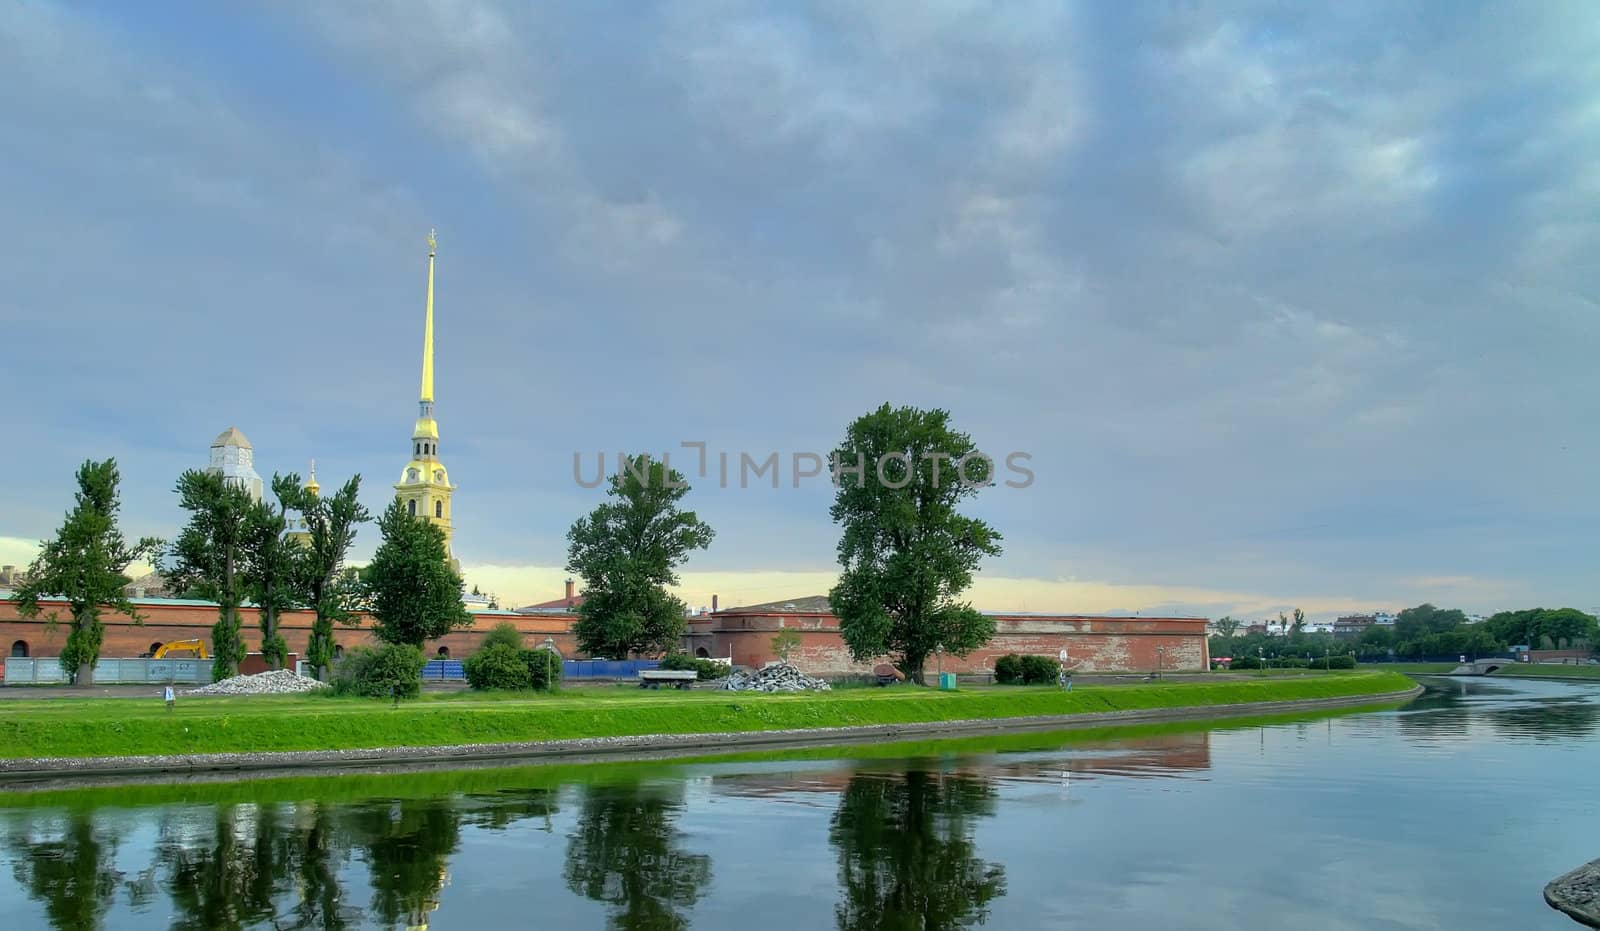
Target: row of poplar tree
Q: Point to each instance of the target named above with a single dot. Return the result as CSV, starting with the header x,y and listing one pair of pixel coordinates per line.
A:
x,y
906,555
233,550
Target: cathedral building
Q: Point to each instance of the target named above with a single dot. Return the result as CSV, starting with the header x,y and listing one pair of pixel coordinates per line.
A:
x,y
234,458
425,486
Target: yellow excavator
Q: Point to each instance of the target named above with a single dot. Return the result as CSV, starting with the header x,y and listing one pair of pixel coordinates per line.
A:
x,y
198,647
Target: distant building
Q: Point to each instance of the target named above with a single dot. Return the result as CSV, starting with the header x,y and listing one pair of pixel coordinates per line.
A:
x,y
11,577
563,605
424,484
149,585
234,458
1353,625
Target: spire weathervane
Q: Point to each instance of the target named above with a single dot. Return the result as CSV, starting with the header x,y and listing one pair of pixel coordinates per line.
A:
x,y
432,245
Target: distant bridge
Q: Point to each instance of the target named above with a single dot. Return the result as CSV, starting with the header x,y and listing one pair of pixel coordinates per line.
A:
x,y
1482,667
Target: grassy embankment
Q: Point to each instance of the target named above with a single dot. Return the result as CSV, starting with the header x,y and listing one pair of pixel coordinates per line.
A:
x,y
433,781
115,727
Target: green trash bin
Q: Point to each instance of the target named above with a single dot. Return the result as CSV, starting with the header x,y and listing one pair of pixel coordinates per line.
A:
x,y
947,681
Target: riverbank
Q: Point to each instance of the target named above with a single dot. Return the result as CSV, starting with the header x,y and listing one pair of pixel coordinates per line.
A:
x,y
127,736
1563,672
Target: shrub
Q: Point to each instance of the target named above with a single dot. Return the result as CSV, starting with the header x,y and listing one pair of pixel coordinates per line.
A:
x,y
543,667
1334,662
504,632
497,666
1038,670
1012,669
392,669
1245,662
706,669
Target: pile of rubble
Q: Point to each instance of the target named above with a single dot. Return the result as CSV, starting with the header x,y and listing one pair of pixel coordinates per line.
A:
x,y
276,682
774,677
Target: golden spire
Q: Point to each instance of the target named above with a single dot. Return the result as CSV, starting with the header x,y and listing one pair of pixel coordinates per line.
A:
x,y
427,332
311,483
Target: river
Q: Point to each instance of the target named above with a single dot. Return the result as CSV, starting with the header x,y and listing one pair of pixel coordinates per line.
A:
x,y
1451,812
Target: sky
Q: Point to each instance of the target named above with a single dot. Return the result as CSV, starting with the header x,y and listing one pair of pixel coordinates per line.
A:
x,y
1286,304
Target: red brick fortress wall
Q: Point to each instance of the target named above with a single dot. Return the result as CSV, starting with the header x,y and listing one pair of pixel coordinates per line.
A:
x,y
1093,644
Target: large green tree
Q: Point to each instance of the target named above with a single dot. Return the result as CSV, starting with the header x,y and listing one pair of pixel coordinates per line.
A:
x,y
1566,626
209,557
274,569
330,532
627,552
85,566
411,588
907,553
1424,619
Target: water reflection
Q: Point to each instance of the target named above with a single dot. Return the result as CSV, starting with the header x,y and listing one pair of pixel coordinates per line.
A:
x,y
1534,711
72,875
906,852
931,836
627,852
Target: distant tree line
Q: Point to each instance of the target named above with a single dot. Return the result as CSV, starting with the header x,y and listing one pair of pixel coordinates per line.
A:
x,y
1422,631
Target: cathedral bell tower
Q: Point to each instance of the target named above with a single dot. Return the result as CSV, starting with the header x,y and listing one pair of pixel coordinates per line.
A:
x,y
424,486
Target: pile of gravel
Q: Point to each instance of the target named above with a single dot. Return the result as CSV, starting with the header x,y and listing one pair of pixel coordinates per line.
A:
x,y
276,682
774,677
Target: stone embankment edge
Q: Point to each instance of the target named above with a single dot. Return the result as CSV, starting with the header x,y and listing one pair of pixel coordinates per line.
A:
x,y
646,745
1577,894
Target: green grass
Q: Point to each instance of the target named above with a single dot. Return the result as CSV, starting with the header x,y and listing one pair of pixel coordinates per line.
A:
x,y
441,780
123,726
1413,669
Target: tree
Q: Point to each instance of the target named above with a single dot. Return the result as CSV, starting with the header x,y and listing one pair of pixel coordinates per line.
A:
x,y
907,554
274,565
208,557
1517,627
1292,624
1566,626
331,530
413,591
785,642
85,566
1228,626
1424,619
628,550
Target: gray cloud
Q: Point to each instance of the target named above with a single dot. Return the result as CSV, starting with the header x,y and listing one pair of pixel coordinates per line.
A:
x,y
1280,299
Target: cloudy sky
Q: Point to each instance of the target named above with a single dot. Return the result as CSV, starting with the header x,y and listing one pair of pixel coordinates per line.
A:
x,y
1290,304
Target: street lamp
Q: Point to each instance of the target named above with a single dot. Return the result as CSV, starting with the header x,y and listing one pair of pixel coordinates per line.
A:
x,y
549,660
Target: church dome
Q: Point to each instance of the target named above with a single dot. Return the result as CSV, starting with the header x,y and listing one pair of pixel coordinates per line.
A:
x,y
232,437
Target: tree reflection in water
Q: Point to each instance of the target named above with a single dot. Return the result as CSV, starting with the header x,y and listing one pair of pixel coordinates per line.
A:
x,y
906,854
407,846
73,877
626,851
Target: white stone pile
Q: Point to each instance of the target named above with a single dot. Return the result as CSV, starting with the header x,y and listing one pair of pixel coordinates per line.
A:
x,y
276,682
774,677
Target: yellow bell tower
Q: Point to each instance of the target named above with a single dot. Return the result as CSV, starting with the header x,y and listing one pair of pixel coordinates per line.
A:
x,y
425,486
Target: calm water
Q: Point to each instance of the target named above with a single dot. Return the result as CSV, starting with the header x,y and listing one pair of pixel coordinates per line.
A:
x,y
1451,813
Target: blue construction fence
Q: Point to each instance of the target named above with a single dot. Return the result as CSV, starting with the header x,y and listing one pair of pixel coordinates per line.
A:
x,y
445,670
